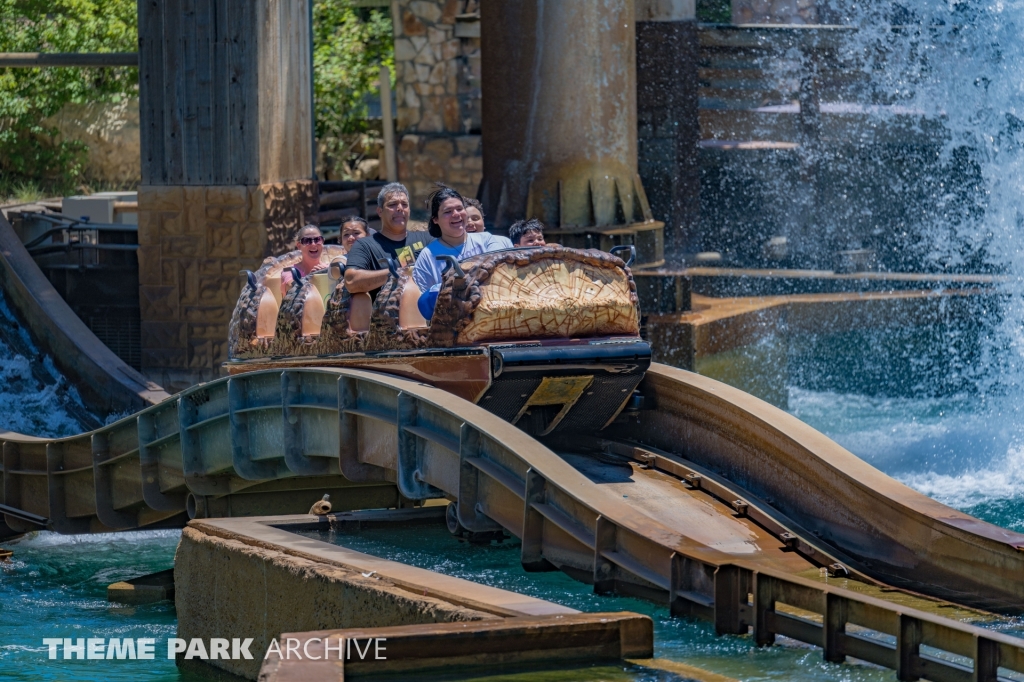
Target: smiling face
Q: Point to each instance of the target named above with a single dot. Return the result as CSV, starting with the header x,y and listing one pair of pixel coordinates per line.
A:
x,y
451,218
394,215
532,238
311,244
351,233
474,219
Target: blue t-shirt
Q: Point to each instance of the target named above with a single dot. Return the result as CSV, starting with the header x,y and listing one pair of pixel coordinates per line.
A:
x,y
427,272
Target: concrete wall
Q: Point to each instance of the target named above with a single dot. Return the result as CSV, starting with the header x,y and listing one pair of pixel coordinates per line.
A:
x,y
227,588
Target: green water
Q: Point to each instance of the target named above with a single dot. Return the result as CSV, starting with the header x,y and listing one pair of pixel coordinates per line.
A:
x,y
683,640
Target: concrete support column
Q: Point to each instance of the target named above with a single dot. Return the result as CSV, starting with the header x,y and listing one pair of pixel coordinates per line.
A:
x,y
668,126
226,136
559,121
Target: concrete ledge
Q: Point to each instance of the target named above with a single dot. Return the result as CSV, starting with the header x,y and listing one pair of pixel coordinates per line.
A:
x,y
256,578
460,647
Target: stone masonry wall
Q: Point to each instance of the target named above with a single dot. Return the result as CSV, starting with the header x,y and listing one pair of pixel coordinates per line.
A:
x,y
193,241
437,67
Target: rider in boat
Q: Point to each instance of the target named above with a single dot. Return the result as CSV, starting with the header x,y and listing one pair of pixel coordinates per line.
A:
x,y
310,241
527,233
448,227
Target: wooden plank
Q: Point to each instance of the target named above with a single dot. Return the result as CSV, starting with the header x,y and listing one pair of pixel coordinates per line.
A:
x,y
189,41
173,142
339,199
151,71
209,147
220,169
337,215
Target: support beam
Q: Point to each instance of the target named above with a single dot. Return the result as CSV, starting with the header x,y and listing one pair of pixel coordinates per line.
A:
x,y
35,60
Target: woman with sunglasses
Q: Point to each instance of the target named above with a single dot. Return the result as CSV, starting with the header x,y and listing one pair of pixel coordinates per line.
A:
x,y
311,243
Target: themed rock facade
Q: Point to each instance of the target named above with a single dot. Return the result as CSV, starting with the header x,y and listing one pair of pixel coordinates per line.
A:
x,y
437,92
193,242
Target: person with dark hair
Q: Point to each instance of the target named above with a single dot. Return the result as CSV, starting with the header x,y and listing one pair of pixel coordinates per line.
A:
x,y
365,272
352,230
474,216
448,227
310,242
527,233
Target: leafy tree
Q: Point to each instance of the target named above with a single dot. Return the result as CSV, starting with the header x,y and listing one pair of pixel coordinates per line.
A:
x,y
29,151
350,46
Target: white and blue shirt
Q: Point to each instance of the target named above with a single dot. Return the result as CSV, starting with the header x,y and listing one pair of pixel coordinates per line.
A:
x,y
427,271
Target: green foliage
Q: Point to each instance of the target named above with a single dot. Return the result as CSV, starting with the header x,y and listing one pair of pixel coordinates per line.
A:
x,y
29,151
714,11
350,46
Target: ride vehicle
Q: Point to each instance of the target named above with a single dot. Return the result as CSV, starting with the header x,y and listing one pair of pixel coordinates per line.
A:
x,y
544,337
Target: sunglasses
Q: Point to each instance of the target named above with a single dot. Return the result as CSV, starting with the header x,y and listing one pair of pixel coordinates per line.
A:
x,y
306,241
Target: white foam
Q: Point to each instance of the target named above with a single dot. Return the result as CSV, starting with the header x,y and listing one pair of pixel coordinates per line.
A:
x,y
49,539
944,448
29,403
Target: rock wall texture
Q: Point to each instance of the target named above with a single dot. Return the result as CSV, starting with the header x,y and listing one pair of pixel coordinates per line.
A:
x,y
227,588
193,241
437,90
111,131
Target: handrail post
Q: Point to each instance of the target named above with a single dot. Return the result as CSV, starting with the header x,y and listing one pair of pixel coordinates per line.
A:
x,y
604,570
728,593
764,605
532,552
908,647
833,626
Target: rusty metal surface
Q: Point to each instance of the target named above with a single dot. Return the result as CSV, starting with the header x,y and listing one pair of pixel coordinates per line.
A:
x,y
837,501
552,150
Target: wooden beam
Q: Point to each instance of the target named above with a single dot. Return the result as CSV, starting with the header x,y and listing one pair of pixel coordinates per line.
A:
x,y
31,60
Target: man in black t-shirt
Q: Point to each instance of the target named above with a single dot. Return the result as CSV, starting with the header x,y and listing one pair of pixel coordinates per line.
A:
x,y
364,272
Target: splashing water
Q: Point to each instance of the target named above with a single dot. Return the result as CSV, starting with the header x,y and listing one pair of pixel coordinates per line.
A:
x,y
35,399
956,65
55,586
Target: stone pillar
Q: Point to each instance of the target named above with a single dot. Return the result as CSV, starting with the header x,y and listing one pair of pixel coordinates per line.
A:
x,y
559,122
668,126
437,89
226,166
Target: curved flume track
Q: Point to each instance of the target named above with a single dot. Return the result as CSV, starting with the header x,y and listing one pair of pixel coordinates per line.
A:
x,y
628,514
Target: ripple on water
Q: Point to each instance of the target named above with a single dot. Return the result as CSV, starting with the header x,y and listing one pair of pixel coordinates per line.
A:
x,y
55,586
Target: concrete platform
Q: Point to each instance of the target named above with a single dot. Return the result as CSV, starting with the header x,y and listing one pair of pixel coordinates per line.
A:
x,y
256,578
460,648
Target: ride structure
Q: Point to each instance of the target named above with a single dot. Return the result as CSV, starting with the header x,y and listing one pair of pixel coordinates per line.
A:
x,y
635,477
546,338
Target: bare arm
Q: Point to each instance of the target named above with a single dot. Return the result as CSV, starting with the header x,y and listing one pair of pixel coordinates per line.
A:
x,y
357,281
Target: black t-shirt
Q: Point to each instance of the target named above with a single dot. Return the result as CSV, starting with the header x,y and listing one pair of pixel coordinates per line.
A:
x,y
366,252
